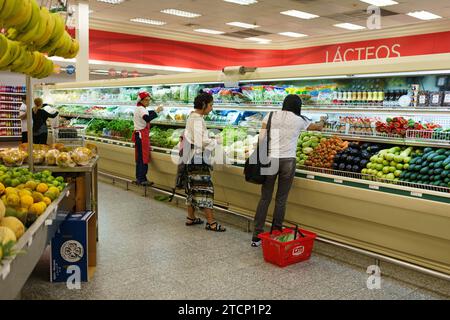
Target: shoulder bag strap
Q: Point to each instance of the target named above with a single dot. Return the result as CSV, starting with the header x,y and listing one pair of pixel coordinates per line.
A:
x,y
269,124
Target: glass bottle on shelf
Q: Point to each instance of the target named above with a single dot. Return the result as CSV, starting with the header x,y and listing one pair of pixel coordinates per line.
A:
x,y
354,96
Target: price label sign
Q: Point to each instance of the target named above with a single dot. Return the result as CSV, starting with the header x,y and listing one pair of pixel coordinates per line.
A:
x,y
309,176
374,187
338,181
416,194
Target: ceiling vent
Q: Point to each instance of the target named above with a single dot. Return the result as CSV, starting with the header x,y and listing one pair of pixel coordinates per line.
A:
x,y
358,15
246,34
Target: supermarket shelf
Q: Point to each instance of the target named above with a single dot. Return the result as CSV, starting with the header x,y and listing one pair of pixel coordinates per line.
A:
x,y
359,180
88,168
434,193
10,127
15,271
9,119
10,138
2,110
110,141
12,102
14,93
98,103
376,110
379,138
92,116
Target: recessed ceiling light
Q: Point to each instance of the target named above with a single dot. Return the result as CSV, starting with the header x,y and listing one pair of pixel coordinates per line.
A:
x,y
209,31
242,25
380,3
259,40
299,14
148,21
181,13
349,26
242,2
293,34
111,1
424,15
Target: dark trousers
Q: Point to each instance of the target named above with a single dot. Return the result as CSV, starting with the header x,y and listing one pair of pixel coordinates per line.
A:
x,y
24,137
40,139
286,173
141,168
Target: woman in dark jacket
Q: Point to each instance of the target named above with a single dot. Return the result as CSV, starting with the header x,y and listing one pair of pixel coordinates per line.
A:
x,y
40,116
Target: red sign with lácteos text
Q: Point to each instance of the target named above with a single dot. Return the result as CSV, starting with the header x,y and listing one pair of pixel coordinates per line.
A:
x,y
118,47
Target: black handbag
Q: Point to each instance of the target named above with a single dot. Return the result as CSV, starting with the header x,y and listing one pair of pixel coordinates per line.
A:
x,y
253,165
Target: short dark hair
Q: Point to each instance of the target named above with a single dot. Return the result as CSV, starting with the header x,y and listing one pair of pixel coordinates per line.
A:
x,y
292,103
202,100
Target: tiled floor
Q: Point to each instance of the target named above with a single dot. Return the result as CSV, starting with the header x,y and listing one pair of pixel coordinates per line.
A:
x,y
146,252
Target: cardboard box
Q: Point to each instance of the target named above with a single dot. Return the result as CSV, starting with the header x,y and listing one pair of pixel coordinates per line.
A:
x,y
74,248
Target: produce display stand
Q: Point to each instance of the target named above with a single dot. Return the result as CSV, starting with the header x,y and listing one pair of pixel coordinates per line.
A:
x,y
14,272
78,196
402,221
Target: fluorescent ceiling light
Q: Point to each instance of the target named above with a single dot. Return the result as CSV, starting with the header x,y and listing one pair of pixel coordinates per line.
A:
x,y
242,25
148,21
242,2
111,1
380,3
259,40
424,15
293,34
349,26
180,13
299,14
209,31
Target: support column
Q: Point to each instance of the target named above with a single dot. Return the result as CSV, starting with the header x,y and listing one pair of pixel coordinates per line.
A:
x,y
82,65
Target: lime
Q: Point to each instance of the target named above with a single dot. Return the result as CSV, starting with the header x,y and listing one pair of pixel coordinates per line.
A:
x,y
7,182
55,183
23,179
60,179
15,182
37,176
46,173
50,179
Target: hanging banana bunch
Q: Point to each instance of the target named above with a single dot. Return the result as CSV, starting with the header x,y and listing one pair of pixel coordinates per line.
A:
x,y
32,29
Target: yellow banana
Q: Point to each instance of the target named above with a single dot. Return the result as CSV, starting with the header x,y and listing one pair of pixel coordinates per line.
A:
x,y
42,26
33,24
2,2
47,71
74,49
48,31
40,65
62,49
35,58
58,31
9,57
12,34
28,61
19,61
20,15
8,7
4,45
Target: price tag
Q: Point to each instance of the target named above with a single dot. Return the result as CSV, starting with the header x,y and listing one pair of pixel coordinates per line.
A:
x,y
6,270
30,241
48,222
416,194
338,181
374,187
309,176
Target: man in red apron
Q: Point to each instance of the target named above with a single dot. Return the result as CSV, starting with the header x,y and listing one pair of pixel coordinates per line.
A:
x,y
141,136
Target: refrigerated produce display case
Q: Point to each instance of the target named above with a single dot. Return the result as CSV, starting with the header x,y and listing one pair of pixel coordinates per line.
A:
x,y
10,101
377,177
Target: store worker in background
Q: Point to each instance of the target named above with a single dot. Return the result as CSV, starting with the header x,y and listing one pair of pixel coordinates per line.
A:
x,y
23,120
197,150
287,124
41,113
141,136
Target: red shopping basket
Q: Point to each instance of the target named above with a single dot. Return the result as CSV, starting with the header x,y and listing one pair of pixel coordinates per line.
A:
x,y
285,253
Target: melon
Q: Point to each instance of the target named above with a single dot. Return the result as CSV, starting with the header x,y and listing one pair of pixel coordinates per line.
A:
x,y
7,235
14,225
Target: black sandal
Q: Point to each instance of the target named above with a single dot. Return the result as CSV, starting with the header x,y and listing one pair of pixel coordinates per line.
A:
x,y
194,221
217,228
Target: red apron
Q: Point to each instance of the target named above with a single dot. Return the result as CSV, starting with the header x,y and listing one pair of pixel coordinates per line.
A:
x,y
145,141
